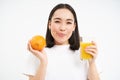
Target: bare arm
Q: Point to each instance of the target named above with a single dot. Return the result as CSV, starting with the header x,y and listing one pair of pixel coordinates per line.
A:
x,y
40,74
41,71
92,71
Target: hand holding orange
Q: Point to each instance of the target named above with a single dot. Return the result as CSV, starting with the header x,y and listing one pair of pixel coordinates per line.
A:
x,y
38,42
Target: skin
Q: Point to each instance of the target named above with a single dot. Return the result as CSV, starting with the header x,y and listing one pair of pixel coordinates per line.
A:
x,y
92,72
62,25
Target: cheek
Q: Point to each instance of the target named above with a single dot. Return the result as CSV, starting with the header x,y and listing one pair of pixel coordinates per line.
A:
x,y
54,29
70,30
69,33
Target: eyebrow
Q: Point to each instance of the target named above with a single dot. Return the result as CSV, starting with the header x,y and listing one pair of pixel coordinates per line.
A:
x,y
61,19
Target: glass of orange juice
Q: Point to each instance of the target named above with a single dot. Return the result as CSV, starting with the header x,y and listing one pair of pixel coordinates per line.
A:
x,y
83,44
84,54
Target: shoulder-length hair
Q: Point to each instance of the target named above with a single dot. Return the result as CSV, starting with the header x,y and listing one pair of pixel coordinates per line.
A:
x,y
74,39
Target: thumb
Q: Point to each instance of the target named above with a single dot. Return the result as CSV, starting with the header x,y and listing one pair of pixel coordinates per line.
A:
x,y
94,43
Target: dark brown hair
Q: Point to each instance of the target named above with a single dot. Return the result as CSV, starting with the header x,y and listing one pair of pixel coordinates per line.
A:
x,y
74,39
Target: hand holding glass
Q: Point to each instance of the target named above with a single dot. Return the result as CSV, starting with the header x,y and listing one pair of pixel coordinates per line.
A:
x,y
84,54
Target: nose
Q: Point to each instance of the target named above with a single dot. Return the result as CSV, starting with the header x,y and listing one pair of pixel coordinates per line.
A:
x,y
62,27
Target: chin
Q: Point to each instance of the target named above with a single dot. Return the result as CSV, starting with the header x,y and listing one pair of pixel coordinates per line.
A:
x,y
61,42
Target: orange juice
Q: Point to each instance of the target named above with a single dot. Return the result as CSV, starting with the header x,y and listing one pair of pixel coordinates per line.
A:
x,y
84,54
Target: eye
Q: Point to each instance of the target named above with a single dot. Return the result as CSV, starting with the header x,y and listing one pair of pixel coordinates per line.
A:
x,y
69,22
57,21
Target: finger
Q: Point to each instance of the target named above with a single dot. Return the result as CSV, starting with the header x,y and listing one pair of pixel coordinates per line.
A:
x,y
91,50
94,43
43,52
91,53
28,45
92,47
30,48
94,54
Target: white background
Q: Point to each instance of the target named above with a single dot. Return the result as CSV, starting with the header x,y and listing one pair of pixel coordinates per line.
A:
x,y
21,19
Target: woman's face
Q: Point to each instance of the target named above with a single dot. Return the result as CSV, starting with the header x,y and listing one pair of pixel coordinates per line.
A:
x,y
62,25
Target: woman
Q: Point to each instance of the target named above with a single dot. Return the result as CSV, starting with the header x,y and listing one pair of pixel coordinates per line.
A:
x,y
60,60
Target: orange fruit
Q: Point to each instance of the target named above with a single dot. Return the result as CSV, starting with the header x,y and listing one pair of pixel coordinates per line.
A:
x,y
38,42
